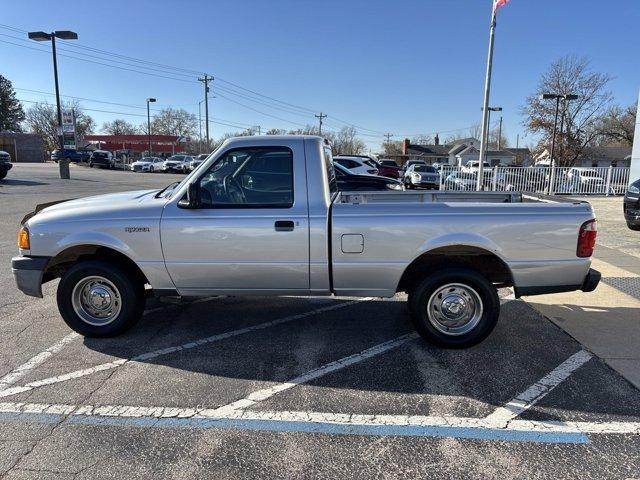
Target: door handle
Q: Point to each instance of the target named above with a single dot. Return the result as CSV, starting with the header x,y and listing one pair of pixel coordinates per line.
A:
x,y
284,225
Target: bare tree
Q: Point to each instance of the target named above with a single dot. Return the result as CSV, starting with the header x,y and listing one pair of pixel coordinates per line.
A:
x,y
276,131
346,142
393,147
170,121
475,131
42,119
493,139
617,126
119,127
579,118
422,140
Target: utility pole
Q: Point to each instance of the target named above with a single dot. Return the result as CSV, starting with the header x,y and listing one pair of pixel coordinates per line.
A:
x,y
388,137
500,134
206,80
320,117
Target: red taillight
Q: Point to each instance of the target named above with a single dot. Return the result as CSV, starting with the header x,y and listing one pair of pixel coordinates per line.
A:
x,y
587,238
373,171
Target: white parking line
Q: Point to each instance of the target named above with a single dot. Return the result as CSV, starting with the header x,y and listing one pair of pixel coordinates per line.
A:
x,y
17,373
165,351
533,394
266,393
199,417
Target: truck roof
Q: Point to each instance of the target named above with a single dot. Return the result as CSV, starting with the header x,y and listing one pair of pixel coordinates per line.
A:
x,y
271,139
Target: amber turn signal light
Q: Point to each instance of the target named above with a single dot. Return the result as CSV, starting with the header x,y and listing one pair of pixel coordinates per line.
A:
x,y
23,239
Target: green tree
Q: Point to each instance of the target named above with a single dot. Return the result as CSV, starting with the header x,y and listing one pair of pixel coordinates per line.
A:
x,y
11,112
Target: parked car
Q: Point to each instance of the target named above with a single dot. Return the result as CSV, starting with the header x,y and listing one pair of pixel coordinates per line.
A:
x,y
421,176
387,162
461,181
102,159
472,166
350,182
177,163
147,164
355,165
390,169
197,161
519,180
408,163
71,155
385,170
586,180
631,206
191,239
5,163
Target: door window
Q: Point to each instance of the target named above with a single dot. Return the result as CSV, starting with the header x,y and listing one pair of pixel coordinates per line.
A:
x,y
259,177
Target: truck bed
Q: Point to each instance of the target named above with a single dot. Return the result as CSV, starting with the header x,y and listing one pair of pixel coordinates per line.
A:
x,y
434,196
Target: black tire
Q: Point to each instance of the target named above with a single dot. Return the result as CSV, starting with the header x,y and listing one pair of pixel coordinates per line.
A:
x,y
434,332
131,295
630,225
90,165
3,173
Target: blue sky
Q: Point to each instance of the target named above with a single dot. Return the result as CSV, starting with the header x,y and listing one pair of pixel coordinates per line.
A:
x,y
404,67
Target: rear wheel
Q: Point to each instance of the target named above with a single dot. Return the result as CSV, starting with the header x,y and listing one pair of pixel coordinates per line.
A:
x,y
97,299
454,308
3,173
631,226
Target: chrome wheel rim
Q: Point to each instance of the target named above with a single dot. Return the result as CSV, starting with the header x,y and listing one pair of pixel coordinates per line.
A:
x,y
454,309
96,300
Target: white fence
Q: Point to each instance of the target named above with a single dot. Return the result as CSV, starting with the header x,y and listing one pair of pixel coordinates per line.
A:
x,y
563,180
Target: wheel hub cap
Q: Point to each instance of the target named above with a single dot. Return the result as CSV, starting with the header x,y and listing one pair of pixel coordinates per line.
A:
x,y
454,309
96,300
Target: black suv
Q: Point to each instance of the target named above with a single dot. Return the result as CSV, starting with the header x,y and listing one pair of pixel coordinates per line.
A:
x,y
102,158
631,206
5,163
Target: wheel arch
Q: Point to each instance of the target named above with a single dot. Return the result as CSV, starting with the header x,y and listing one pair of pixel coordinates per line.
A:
x,y
62,261
486,262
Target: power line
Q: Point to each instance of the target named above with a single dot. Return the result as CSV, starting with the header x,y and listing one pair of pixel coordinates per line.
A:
x,y
93,100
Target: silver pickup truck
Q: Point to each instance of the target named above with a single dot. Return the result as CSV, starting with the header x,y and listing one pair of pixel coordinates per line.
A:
x,y
263,216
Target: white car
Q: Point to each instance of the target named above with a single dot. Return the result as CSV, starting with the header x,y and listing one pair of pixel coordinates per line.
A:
x,y
585,180
147,164
356,165
177,163
421,176
472,166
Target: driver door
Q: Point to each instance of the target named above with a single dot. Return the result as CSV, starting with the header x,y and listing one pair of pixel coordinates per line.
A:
x,y
251,234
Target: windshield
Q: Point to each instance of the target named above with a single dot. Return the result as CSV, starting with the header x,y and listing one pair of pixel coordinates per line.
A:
x,y
424,169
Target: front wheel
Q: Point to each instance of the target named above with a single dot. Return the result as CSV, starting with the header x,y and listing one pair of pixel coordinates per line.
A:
x,y
454,308
3,173
98,299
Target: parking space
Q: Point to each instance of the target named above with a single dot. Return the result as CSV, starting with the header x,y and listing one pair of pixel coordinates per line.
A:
x,y
232,387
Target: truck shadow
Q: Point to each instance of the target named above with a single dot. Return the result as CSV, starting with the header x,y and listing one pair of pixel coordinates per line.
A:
x,y
416,378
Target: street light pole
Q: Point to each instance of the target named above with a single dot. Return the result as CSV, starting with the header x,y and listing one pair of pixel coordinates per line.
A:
x,y
149,100
63,166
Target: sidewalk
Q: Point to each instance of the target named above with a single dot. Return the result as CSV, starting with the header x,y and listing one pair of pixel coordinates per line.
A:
x,y
606,321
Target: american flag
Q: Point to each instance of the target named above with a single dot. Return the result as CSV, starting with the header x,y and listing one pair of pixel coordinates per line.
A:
x,y
499,3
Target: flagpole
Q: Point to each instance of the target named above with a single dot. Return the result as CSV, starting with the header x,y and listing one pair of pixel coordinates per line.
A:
x,y
485,103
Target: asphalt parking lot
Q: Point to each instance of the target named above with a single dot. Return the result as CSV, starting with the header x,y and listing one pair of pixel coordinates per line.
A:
x,y
233,387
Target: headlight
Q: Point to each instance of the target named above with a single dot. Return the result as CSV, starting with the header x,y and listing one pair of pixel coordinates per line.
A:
x,y
394,186
416,177
634,189
23,238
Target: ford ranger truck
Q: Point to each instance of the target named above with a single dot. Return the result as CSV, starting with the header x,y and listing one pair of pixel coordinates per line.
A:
x,y
263,216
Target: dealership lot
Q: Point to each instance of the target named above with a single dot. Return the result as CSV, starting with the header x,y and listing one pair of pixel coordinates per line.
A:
x,y
294,387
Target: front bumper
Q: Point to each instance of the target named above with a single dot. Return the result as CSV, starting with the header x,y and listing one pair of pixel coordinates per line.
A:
x,y
28,272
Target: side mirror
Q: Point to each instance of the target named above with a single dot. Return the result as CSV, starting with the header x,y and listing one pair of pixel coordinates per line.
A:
x,y
192,199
